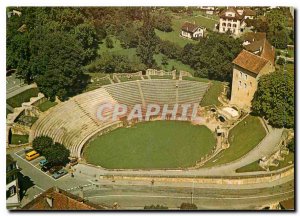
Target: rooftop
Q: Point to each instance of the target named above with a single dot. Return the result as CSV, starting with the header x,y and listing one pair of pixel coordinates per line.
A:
x,y
250,61
254,36
57,199
232,10
189,27
262,48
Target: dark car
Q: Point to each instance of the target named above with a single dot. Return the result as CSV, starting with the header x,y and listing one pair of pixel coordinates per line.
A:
x,y
59,173
47,167
55,169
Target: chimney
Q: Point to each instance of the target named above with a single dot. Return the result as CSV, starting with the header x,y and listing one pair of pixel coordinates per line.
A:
x,y
260,48
49,200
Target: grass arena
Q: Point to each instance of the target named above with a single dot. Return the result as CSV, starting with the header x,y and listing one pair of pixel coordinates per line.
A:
x,y
155,143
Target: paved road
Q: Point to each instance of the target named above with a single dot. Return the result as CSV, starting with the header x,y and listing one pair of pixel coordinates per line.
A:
x,y
136,197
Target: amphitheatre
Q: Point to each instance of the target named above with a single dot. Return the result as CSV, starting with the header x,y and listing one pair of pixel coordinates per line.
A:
x,y
75,124
211,148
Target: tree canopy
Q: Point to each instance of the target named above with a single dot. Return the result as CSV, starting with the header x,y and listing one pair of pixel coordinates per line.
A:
x,y
274,99
212,57
55,153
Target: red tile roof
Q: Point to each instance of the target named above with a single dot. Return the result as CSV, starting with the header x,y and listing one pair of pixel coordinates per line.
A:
x,y
61,200
189,27
249,12
250,61
262,48
232,10
288,204
254,36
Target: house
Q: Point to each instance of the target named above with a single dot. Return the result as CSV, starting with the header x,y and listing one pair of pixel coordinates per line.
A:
x,y
255,60
57,199
251,37
12,183
249,14
208,9
191,30
231,20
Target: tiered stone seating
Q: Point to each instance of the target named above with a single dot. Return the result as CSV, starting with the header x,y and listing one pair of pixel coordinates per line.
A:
x,y
125,93
159,91
73,122
191,91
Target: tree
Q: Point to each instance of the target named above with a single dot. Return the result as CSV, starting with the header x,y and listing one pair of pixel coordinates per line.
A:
x,y
163,22
164,60
87,36
57,154
156,207
280,61
188,206
291,145
56,64
274,99
109,43
41,143
212,56
147,40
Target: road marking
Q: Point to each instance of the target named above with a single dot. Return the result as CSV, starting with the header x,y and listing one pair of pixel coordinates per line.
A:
x,y
35,167
188,197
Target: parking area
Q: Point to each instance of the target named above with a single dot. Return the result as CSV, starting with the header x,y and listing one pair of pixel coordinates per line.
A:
x,y
35,163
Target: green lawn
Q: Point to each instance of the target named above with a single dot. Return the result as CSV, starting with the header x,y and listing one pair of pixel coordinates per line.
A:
x,y
16,101
286,162
161,77
117,49
158,144
178,65
15,138
211,96
176,25
46,105
250,168
242,138
125,79
97,81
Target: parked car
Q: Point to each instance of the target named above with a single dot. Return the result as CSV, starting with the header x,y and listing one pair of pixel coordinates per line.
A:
x,y
59,173
47,167
43,162
32,155
73,162
55,169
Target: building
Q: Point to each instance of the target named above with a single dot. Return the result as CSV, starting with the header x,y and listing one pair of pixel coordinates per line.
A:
x,y
249,14
232,20
251,37
191,30
254,61
57,199
12,183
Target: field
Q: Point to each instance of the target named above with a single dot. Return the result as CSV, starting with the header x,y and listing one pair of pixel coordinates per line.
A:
x,y
176,25
16,101
172,63
19,139
158,144
46,105
242,138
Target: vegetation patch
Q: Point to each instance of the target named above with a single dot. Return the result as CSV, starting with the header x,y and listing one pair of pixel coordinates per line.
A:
x,y
252,167
242,138
158,144
19,139
161,77
17,100
46,105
